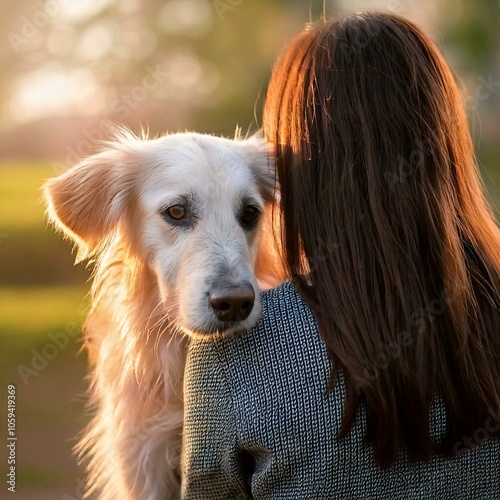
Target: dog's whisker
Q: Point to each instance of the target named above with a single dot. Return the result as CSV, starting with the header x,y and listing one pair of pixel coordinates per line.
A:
x,y
153,312
162,320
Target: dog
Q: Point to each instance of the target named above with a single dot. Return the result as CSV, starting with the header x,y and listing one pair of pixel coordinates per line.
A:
x,y
175,228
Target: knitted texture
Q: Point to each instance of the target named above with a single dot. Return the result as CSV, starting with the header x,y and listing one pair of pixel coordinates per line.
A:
x,y
260,424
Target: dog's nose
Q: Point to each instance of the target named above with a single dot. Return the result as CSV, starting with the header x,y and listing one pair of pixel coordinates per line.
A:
x,y
232,304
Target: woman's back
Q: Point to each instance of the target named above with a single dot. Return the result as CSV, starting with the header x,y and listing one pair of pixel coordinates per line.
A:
x,y
260,423
381,206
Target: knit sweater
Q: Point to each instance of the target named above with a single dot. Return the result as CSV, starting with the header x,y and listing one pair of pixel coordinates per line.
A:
x,y
260,423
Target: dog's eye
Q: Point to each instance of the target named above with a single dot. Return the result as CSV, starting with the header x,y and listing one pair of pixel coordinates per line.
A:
x,y
249,216
175,212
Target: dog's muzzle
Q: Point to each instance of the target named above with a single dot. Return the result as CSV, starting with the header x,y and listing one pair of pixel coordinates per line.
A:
x,y
232,303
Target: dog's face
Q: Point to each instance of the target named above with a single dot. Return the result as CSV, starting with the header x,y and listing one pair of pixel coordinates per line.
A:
x,y
190,205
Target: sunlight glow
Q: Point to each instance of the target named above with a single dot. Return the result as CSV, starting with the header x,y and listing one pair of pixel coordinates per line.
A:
x,y
53,91
418,11
137,44
79,10
188,79
186,17
96,41
61,40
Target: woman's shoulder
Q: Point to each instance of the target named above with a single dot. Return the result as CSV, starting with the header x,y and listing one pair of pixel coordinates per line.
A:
x,y
287,335
286,322
285,318
284,305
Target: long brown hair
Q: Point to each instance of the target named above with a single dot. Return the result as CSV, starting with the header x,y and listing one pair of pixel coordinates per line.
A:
x,y
381,204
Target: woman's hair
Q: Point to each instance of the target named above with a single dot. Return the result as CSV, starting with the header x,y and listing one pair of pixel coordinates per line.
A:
x,y
381,204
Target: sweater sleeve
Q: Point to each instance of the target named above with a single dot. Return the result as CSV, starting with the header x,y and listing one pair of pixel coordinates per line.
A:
x,y
210,468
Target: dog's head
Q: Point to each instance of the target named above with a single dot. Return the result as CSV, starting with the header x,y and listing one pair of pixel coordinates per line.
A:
x,y
190,205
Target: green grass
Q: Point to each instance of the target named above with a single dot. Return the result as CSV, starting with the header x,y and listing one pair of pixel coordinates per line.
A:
x,y
31,317
49,400
20,194
35,310
31,254
490,173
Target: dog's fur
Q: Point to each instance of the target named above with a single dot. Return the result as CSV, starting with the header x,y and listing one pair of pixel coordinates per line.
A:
x,y
151,285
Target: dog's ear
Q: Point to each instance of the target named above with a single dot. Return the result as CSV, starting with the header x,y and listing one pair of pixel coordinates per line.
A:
x,y
261,160
87,201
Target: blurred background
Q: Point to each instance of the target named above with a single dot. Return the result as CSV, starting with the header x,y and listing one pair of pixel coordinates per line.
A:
x,y
72,67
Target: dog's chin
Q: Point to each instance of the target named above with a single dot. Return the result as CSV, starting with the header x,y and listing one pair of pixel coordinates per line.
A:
x,y
217,329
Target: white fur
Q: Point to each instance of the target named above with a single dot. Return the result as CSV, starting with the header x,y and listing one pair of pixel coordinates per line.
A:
x,y
151,286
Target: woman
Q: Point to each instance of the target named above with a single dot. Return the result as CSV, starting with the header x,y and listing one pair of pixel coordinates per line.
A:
x,y
375,372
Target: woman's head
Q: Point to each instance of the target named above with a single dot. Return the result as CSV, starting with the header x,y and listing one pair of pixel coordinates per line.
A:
x,y
366,119
382,205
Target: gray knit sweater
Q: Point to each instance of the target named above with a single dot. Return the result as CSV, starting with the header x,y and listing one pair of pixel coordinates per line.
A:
x,y
263,394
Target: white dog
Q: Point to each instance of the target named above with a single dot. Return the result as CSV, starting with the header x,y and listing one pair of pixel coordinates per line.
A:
x,y
173,227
